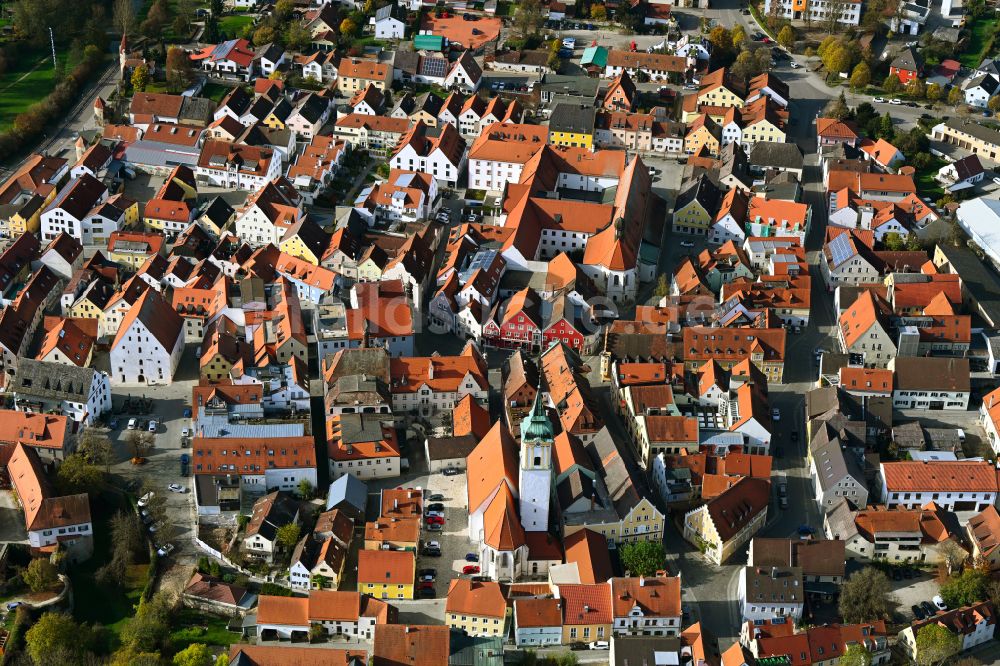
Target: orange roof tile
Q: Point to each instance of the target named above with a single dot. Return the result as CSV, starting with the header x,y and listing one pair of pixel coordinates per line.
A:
x,y
481,599
940,476
586,604
386,567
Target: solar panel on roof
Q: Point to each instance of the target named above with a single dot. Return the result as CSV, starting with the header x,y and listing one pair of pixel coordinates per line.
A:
x,y
840,249
405,180
433,67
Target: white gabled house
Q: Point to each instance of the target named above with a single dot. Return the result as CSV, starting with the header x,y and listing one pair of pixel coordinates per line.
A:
x,y
149,342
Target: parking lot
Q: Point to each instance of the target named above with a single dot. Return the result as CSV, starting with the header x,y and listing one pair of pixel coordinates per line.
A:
x,y
454,538
911,592
162,466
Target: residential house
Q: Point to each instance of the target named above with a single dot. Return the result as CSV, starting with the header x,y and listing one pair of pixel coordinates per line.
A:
x,y
974,625
955,486
766,593
269,514
728,521
387,574
153,325
476,608
921,382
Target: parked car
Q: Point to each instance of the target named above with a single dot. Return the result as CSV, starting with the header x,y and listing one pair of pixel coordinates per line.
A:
x,y
436,506
13,605
783,502
435,527
687,244
429,572
471,557
879,100
599,645
132,424
113,424
470,569
154,527
176,488
187,412
165,549
146,499
426,593
775,414
939,602
918,612
435,497
185,432
435,520
434,514
895,101
795,65
451,471
433,544
152,425
431,552
805,530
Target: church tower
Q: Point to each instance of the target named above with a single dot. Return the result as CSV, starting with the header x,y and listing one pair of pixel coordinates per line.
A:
x,y
535,477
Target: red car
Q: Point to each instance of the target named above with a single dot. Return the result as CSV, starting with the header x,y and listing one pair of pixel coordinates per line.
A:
x,y
435,520
470,569
426,585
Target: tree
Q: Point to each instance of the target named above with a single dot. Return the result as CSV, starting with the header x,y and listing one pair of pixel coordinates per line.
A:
x,y
297,37
124,16
305,489
288,535
994,103
965,589
825,45
77,475
283,10
348,27
955,96
953,555
140,78
837,108
856,655
866,596
151,625
739,37
96,447
891,84
934,92
916,89
126,537
838,60
196,654
662,286
642,558
861,76
265,34
179,72
885,130
40,575
598,12
893,242
721,39
786,36
138,442
833,14
527,19
222,660
936,644
54,637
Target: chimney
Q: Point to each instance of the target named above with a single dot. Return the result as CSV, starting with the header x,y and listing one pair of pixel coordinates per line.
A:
x,y
586,608
395,504
406,629
774,572
642,581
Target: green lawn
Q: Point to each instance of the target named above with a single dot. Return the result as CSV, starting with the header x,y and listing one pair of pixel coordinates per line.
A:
x,y
981,37
23,83
924,178
195,627
93,602
215,92
232,26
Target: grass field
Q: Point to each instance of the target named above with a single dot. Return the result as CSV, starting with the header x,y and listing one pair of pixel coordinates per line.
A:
x,y
980,39
232,26
215,92
924,178
29,79
111,606
195,627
